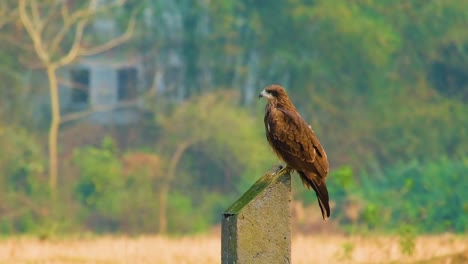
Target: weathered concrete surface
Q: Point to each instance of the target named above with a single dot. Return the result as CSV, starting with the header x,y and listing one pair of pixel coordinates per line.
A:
x,y
257,227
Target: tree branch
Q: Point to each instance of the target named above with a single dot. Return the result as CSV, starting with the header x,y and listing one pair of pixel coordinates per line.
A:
x,y
71,84
33,33
77,50
113,42
68,22
35,13
7,14
74,51
52,12
96,109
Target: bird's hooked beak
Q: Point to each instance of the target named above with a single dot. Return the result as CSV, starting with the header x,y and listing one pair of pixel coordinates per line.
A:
x,y
266,95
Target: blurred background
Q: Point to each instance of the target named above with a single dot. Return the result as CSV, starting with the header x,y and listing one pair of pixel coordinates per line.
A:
x,y
141,117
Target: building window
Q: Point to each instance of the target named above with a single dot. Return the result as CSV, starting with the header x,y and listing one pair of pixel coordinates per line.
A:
x,y
127,84
80,86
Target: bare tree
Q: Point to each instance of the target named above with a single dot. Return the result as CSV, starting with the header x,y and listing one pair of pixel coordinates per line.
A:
x,y
56,29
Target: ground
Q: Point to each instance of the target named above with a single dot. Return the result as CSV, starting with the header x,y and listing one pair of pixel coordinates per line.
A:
x,y
206,249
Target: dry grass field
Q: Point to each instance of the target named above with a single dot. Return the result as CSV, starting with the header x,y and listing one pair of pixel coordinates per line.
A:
x,y
206,249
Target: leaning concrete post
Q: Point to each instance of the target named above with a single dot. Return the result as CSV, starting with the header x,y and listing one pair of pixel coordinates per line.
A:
x,y
257,227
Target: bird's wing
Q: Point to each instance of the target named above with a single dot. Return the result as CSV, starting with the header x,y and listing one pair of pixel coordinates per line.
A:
x,y
296,142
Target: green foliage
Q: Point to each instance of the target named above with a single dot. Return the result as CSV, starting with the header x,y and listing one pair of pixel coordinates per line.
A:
x,y
351,34
23,189
184,217
188,214
346,253
371,214
343,180
427,196
431,194
101,183
126,198
407,240
22,162
14,96
101,178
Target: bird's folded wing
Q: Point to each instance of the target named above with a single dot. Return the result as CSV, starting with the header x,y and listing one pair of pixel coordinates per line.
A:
x,y
291,134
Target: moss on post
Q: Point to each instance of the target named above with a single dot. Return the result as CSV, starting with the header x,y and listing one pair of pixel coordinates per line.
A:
x,y
257,227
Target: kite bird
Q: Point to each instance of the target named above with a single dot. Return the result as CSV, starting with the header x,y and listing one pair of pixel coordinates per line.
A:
x,y
295,143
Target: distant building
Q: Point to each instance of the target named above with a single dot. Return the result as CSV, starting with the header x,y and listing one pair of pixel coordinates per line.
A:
x,y
100,82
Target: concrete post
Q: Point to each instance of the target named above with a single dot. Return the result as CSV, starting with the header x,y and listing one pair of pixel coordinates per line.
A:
x,y
257,227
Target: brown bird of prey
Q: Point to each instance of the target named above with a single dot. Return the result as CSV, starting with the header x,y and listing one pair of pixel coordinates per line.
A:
x,y
295,143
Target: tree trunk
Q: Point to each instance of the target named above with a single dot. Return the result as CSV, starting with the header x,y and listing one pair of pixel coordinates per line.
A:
x,y
163,208
53,130
167,184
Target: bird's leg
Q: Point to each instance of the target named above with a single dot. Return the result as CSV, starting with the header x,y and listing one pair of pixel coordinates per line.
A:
x,y
285,169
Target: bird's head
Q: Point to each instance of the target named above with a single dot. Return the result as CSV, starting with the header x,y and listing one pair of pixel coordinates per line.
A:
x,y
274,94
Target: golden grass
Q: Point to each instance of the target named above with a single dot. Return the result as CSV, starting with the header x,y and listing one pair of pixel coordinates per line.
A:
x,y
206,250
375,249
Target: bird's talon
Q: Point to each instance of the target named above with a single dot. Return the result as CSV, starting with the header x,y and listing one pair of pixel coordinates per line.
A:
x,y
284,169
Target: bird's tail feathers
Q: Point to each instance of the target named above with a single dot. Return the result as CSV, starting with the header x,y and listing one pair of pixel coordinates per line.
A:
x,y
321,191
